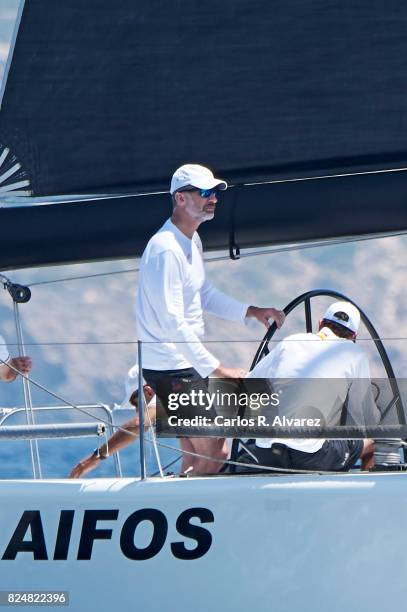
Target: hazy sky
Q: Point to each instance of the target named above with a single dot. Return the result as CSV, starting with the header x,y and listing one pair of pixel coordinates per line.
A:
x,y
8,12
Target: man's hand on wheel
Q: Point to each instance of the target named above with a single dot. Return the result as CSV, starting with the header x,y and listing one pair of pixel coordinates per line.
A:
x,y
264,314
223,372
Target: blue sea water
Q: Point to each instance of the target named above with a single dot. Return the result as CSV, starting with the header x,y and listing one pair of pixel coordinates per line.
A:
x,y
58,456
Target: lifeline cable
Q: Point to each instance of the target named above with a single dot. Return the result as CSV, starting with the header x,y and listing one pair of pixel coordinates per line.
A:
x,y
220,341
190,453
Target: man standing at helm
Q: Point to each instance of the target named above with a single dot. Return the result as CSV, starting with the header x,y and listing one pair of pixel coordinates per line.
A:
x,y
173,293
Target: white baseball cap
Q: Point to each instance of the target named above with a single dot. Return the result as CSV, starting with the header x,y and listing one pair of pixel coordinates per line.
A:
x,y
197,176
131,385
345,314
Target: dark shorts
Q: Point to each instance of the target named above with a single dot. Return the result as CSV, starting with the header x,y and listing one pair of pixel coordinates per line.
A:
x,y
165,382
334,456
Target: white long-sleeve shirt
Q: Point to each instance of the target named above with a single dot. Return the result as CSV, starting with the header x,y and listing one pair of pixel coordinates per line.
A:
x,y
312,359
172,295
4,354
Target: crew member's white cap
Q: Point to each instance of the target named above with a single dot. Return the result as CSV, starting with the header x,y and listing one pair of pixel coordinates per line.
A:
x,y
345,314
131,385
197,176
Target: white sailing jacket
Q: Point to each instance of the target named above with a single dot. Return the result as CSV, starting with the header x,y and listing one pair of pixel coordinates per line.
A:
x,y
4,354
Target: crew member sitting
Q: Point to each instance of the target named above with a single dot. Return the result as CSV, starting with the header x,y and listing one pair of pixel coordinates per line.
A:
x,y
329,354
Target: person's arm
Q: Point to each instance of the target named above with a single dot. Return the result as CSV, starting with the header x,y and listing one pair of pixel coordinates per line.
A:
x,y
222,305
263,315
119,440
22,364
5,372
226,307
215,301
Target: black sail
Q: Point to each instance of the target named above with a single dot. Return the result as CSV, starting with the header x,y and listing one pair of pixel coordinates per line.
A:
x,y
110,97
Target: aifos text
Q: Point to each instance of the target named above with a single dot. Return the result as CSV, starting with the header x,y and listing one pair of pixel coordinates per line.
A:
x,y
30,537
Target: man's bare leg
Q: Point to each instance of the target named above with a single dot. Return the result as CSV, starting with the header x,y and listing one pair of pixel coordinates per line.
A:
x,y
215,448
367,455
119,440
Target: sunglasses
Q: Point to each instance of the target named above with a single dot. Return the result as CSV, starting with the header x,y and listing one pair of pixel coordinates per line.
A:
x,y
204,193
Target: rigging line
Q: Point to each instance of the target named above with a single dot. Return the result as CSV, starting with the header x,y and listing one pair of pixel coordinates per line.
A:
x,y
309,245
220,341
134,194
323,177
40,201
265,251
85,276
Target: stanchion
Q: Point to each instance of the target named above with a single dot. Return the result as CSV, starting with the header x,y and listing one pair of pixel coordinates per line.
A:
x,y
20,295
141,403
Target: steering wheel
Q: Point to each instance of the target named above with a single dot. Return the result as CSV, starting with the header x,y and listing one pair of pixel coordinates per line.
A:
x,y
305,299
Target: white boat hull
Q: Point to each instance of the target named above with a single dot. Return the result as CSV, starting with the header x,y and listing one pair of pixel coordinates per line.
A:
x,y
275,543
